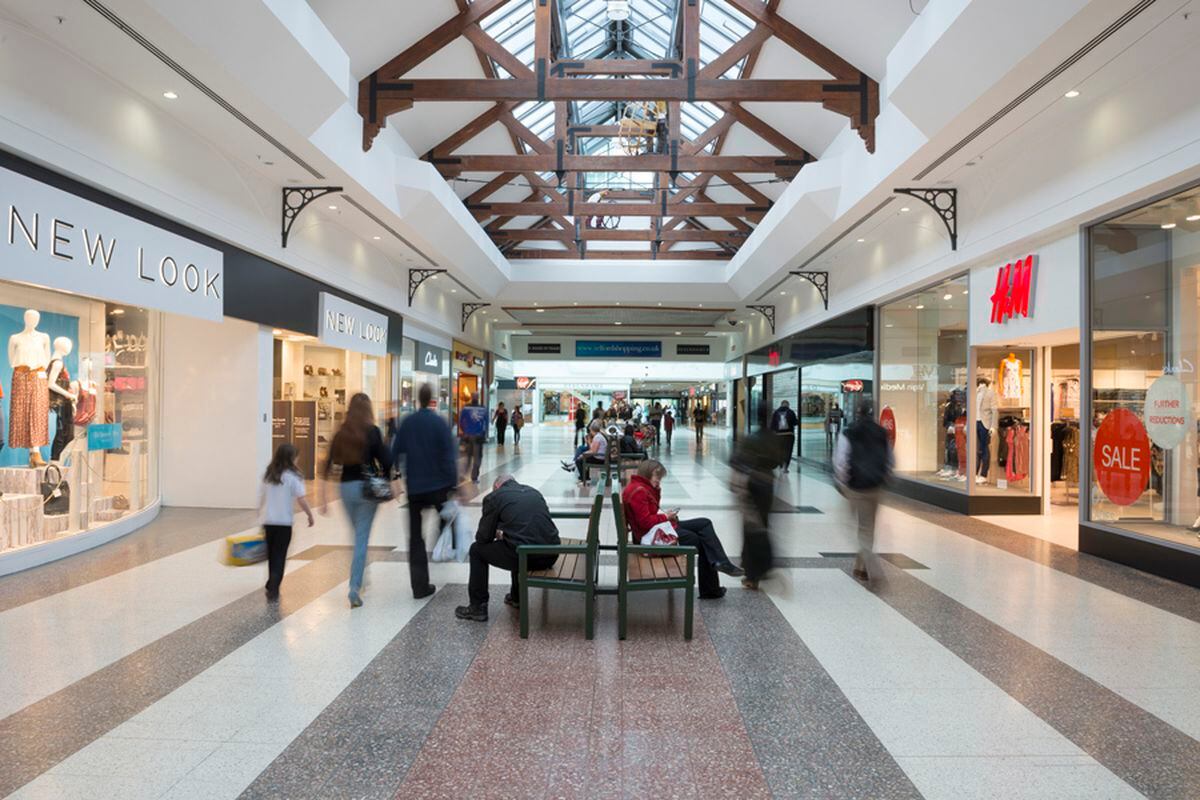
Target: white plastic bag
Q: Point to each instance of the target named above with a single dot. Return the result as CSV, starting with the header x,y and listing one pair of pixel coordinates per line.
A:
x,y
455,539
661,534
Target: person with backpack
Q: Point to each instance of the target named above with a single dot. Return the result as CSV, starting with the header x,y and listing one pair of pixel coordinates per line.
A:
x,y
784,423
472,432
282,487
863,465
518,422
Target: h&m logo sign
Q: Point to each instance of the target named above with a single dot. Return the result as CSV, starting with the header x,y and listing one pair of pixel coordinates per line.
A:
x,y
1014,285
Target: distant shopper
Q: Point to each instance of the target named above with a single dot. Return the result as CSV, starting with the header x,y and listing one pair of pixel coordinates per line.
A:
x,y
641,500
784,424
425,447
500,418
863,464
472,429
668,423
629,444
518,422
513,515
282,488
699,418
833,425
580,425
656,415
358,449
754,462
598,411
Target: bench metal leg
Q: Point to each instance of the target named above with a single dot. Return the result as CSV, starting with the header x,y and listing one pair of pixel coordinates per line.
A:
x,y
523,583
689,598
622,608
589,614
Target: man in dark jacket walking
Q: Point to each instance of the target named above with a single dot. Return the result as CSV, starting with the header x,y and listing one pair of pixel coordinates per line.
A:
x,y
784,424
513,515
862,464
425,443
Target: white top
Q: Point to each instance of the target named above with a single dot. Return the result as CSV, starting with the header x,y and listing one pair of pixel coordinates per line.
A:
x,y
29,350
279,508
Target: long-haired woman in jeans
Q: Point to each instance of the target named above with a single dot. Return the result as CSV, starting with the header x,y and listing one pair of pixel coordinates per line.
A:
x,y
357,448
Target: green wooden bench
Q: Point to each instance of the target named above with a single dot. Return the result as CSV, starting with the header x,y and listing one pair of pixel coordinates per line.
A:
x,y
642,568
576,569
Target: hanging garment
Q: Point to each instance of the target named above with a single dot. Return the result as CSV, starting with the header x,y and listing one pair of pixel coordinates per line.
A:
x,y
960,443
1010,379
64,429
1058,430
1070,467
1070,394
1020,457
29,409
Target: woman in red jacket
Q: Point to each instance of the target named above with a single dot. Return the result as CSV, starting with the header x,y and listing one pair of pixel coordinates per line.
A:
x,y
641,500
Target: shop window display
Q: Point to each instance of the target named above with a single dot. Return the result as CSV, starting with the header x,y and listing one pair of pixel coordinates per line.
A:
x,y
829,394
78,402
1004,449
1145,349
924,383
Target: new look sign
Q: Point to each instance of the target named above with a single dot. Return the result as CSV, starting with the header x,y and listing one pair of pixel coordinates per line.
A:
x,y
351,327
58,240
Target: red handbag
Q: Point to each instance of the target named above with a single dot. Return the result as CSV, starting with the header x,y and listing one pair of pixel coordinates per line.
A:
x,y
85,407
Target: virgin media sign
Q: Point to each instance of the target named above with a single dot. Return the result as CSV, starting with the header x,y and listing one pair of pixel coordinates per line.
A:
x,y
1014,283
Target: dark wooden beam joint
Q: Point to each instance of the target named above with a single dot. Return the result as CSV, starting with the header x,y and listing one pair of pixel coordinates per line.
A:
x,y
467,310
818,279
295,199
418,276
859,101
768,313
944,202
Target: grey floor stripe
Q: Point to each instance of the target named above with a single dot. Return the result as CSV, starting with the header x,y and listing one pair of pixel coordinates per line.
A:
x,y
41,735
807,736
173,531
363,744
1153,757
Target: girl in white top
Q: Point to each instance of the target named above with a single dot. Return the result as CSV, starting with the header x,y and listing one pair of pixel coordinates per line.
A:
x,y
282,487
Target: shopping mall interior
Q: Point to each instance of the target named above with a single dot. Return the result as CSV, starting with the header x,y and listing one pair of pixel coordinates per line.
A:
x,y
600,399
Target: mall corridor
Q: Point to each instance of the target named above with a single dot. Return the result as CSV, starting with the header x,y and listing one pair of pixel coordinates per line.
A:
x,y
986,664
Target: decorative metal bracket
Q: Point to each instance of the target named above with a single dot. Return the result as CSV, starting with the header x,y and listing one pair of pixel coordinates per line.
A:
x,y
818,279
942,201
768,312
295,200
468,309
418,276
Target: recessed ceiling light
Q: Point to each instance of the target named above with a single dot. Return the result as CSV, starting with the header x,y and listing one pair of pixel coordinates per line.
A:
x,y
947,296
699,305
170,95
541,311
1072,94
920,306
618,302
905,210
333,208
377,238
277,332
435,277
1166,226
677,333
660,304
783,292
860,241
454,291
536,303
1194,218
966,291
889,325
618,323
574,304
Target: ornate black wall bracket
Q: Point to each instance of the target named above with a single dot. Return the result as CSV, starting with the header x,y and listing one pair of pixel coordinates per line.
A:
x,y
468,309
768,312
295,200
418,276
818,279
942,201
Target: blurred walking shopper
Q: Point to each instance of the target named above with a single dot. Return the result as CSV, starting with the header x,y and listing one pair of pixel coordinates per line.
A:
x,y
472,428
518,422
656,415
863,465
754,461
784,423
282,488
358,449
699,418
580,425
425,447
500,418
668,422
513,515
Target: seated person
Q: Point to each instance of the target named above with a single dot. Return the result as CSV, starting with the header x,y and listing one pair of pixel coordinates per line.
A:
x,y
513,515
594,449
641,500
629,442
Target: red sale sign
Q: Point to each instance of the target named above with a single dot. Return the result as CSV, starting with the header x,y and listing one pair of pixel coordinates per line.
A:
x,y
887,418
1122,457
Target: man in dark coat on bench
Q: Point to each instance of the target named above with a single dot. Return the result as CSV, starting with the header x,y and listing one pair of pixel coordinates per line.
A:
x,y
513,514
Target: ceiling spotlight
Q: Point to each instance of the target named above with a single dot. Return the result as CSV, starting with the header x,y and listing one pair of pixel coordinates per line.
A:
x,y
1166,226
454,291
905,210
966,291
618,323
170,95
947,296
541,311
333,208
1194,218
678,333
1071,95
435,277
860,241
920,306
783,292
277,332
377,238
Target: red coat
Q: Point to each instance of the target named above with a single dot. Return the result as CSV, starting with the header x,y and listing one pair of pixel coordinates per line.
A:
x,y
640,501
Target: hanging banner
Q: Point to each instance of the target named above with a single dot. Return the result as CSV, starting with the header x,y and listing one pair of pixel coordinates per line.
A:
x,y
1122,457
1166,412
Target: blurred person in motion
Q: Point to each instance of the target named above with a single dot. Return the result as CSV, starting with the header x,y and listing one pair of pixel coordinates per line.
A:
x,y
424,446
754,461
668,422
699,418
518,422
500,419
784,424
281,489
513,514
656,415
580,425
863,465
358,449
472,428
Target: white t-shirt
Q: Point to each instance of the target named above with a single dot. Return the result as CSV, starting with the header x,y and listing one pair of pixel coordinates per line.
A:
x,y
279,508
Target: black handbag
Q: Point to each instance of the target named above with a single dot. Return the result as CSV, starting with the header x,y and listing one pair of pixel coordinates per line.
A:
x,y
376,488
56,494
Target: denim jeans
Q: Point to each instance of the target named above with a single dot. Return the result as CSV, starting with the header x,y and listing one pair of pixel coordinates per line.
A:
x,y
361,512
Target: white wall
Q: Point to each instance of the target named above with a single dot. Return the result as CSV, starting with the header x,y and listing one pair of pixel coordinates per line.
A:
x,y
216,434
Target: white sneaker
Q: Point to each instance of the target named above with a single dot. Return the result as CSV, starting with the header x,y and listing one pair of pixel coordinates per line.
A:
x,y
980,479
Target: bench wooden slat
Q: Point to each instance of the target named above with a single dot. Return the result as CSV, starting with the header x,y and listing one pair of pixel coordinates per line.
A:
x,y
675,568
580,571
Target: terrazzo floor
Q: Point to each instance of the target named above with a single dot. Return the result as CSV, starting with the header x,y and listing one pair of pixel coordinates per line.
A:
x,y
985,663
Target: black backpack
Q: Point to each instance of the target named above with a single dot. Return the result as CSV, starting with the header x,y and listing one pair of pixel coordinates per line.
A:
x,y
870,459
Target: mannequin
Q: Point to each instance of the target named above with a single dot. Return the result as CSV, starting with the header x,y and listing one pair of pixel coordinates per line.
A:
x,y
1010,378
63,394
29,407
985,423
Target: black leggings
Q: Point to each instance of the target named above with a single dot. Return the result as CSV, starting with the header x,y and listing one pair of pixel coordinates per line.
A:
x,y
279,537
699,533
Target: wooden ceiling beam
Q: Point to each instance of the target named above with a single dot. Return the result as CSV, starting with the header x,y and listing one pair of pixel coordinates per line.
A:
x,y
618,235
617,66
537,162
434,41
621,255
744,47
459,90
533,207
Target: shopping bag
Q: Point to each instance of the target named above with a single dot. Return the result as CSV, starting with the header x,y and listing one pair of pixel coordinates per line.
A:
x,y
245,548
450,543
462,537
661,534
